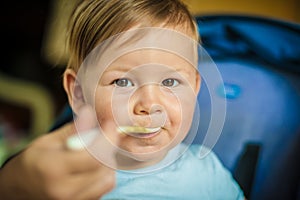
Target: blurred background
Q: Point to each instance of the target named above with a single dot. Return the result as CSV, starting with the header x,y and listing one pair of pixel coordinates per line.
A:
x,y
33,59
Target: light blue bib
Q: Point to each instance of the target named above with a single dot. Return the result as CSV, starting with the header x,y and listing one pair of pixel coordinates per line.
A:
x,y
189,177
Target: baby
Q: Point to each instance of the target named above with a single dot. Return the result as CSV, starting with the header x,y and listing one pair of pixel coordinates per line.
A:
x,y
135,63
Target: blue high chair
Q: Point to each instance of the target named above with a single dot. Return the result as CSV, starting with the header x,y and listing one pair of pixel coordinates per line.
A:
x,y
259,62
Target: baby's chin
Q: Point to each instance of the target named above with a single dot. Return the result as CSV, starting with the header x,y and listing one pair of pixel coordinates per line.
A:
x,y
137,158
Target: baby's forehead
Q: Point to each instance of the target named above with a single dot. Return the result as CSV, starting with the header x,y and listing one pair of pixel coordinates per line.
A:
x,y
152,41
151,57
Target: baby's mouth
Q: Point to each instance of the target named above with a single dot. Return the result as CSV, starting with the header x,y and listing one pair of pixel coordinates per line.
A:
x,y
138,131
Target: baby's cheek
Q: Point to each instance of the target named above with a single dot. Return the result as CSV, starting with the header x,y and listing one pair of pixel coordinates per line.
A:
x,y
174,118
104,116
175,111
103,111
181,117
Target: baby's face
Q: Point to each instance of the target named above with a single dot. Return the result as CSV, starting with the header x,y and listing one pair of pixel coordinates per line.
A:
x,y
145,100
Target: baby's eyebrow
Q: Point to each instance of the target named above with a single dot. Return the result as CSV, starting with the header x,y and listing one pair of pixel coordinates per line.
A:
x,y
115,68
124,68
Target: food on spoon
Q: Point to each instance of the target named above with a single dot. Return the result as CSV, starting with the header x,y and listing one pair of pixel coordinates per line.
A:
x,y
137,129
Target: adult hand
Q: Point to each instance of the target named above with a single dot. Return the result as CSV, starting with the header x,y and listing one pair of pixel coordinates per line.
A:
x,y
46,169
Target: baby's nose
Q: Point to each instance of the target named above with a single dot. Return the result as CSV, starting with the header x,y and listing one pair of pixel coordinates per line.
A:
x,y
147,100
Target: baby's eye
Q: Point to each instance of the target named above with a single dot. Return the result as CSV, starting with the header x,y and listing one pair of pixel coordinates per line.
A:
x,y
170,82
123,82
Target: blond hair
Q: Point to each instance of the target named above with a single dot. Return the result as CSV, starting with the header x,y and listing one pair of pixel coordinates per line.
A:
x,y
94,21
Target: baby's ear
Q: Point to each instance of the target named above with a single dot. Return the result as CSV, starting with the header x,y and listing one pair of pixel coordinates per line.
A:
x,y
73,90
